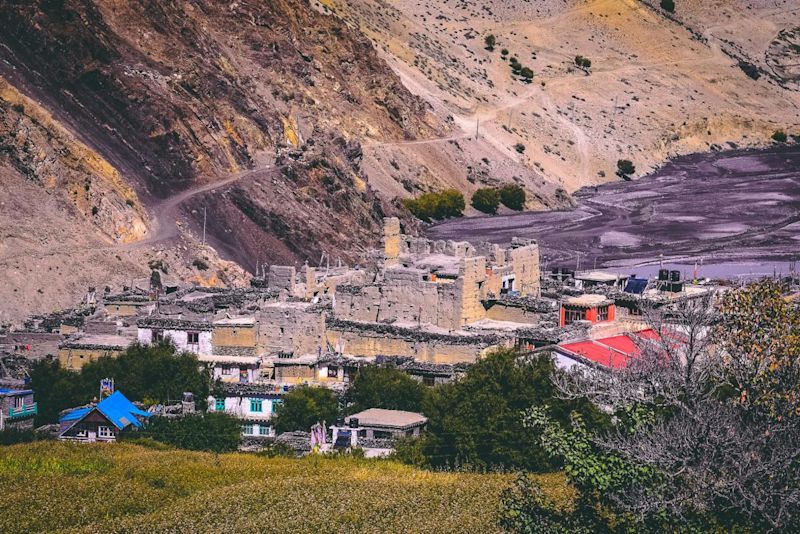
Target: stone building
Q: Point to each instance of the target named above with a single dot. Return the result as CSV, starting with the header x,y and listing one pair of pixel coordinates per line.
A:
x,y
186,335
82,349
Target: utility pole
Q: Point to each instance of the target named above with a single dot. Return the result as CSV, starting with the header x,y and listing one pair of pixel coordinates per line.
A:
x,y
204,226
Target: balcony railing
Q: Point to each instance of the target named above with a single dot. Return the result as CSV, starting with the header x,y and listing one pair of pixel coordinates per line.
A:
x,y
23,411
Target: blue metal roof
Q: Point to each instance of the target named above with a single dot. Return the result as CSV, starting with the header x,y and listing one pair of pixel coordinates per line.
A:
x,y
9,391
74,415
121,411
116,408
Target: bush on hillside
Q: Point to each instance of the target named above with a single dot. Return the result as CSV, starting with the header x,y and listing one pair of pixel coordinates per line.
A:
x,y
779,136
668,5
625,169
490,41
486,200
512,196
436,205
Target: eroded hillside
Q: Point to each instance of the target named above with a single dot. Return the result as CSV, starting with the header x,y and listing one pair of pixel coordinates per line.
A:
x,y
659,84
163,101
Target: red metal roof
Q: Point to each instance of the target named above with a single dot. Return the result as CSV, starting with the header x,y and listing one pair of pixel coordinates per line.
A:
x,y
613,352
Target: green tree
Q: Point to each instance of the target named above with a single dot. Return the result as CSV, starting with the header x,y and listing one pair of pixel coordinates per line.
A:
x,y
486,200
490,41
384,387
668,5
779,136
512,196
436,205
527,74
154,373
305,406
213,432
477,420
625,169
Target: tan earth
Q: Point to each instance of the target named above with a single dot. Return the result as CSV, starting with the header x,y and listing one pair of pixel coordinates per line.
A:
x,y
657,86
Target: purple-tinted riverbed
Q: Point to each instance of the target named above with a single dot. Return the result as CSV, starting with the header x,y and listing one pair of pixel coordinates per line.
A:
x,y
736,213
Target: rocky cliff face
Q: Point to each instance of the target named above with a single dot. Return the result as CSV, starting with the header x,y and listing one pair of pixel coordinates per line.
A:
x,y
174,94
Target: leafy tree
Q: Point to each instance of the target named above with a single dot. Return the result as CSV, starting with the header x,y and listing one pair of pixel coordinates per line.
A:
x,y
154,373
213,432
504,52
519,147
305,406
490,41
477,420
512,196
384,387
583,62
625,169
779,136
668,5
527,74
486,200
707,426
436,205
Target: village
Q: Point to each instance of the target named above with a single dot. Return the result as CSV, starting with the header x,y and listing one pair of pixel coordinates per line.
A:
x,y
428,308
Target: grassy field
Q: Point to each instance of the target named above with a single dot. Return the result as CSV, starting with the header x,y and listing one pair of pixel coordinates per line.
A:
x,y
61,487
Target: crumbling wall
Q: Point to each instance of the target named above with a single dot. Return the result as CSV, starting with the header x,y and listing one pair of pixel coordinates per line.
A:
x,y
291,330
282,277
391,240
472,275
525,262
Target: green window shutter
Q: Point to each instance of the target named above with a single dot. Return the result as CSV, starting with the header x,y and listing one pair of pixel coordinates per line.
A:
x,y
219,405
256,405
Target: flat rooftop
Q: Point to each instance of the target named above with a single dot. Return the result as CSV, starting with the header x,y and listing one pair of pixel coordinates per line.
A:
x,y
588,301
109,341
599,276
388,418
236,321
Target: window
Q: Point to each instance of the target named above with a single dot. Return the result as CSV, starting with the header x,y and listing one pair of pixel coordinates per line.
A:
x,y
227,371
570,316
256,405
428,380
158,335
219,405
104,432
193,338
602,313
247,429
19,402
333,372
263,430
381,434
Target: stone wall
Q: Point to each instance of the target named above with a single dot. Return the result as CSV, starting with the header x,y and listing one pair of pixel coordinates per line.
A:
x,y
290,328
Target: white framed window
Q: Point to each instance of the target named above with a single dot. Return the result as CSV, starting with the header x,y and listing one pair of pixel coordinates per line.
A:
x,y
247,429
19,402
104,432
263,430
227,371
193,338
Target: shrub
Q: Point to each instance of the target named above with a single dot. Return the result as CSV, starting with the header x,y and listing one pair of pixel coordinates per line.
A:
x,y
504,52
512,196
200,265
519,147
212,432
583,62
12,436
668,5
95,210
19,108
384,387
436,205
625,168
486,200
304,407
490,41
779,136
527,74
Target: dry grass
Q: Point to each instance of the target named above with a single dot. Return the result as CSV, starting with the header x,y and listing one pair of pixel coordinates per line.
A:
x,y
129,488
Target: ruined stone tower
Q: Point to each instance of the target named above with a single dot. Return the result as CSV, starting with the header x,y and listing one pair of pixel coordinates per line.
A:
x,y
391,240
